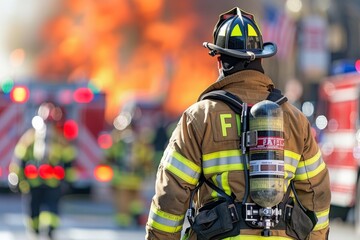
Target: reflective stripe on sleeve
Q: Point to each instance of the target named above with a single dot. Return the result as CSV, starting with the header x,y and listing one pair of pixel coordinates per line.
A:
x,y
222,161
291,163
182,167
323,220
221,181
310,167
164,221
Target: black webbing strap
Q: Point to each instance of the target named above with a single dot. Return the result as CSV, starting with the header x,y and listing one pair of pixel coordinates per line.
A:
x,y
191,210
276,96
234,102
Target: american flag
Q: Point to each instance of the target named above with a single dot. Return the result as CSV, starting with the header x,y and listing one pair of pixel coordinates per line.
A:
x,y
277,27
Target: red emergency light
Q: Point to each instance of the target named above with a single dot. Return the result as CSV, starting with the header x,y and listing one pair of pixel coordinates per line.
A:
x,y
59,172
103,173
357,65
19,94
30,171
46,171
105,140
83,95
71,129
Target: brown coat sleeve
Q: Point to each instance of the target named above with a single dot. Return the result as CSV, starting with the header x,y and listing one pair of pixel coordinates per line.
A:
x,y
312,182
177,175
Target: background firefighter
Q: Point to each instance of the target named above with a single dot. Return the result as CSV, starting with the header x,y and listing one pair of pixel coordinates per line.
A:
x,y
206,143
131,158
43,163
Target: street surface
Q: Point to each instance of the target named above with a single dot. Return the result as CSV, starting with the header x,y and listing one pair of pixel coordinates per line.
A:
x,y
83,218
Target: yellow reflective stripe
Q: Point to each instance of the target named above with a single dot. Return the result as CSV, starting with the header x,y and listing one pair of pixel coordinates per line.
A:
x,y
310,167
225,183
292,155
255,237
164,221
291,163
310,174
220,154
221,181
251,31
222,161
323,220
182,167
214,194
310,160
236,32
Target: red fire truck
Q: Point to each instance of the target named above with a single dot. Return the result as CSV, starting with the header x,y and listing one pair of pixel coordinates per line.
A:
x,y
86,109
340,140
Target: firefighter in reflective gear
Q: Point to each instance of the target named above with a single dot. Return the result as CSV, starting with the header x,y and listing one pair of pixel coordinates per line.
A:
x,y
130,157
43,163
206,141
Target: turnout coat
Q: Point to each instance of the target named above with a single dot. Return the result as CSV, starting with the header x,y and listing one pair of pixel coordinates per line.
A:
x,y
203,142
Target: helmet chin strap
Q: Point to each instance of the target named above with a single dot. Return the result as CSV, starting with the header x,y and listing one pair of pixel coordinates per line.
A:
x,y
222,70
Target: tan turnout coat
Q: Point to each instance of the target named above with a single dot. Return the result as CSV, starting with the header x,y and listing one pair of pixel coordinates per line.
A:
x,y
201,138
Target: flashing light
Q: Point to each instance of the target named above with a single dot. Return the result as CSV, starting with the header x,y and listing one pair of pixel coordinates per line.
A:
x,y
59,172
7,85
105,140
357,65
30,171
71,129
65,96
308,108
321,122
103,173
83,95
345,66
46,171
19,94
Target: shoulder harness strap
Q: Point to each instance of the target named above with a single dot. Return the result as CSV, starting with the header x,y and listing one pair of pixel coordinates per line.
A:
x,y
276,96
234,101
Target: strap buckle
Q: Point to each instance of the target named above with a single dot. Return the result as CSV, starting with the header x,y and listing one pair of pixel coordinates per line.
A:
x,y
233,212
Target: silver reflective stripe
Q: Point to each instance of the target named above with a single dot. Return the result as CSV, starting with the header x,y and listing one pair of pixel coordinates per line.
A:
x,y
221,182
222,161
322,219
182,167
291,161
165,221
309,168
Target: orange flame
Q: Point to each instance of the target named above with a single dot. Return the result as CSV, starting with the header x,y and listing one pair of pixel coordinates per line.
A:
x,y
130,46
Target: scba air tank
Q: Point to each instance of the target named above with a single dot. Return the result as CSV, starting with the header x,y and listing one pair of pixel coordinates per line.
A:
x,y
267,155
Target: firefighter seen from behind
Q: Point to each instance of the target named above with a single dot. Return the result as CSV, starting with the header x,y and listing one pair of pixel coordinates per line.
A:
x,y
242,162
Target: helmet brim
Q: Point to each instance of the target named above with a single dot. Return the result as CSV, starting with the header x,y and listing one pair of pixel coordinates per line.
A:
x,y
269,50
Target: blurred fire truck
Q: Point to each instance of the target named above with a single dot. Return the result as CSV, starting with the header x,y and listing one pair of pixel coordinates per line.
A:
x,y
83,107
339,139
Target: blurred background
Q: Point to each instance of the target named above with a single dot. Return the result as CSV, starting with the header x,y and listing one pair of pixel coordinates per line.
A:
x,y
123,72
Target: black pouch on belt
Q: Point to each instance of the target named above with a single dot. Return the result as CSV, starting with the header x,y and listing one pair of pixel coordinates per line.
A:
x,y
299,221
217,220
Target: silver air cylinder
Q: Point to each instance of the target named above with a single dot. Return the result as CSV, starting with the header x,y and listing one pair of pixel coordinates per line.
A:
x,y
267,156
